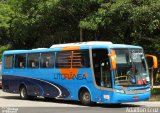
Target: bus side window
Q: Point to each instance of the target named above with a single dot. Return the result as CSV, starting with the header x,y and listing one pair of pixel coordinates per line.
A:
x,y
73,59
8,61
47,60
33,60
81,59
47,64
21,64
20,60
33,65
63,59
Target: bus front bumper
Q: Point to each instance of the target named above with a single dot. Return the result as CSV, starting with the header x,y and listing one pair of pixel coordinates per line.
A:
x,y
123,98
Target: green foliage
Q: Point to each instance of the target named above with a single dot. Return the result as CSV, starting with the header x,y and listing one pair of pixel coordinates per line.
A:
x,y
127,21
45,22
2,49
5,15
155,91
26,24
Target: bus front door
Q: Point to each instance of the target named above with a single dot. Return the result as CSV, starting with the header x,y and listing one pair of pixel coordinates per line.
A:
x,y
102,73
105,80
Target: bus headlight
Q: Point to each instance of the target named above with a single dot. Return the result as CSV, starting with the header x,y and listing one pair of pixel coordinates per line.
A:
x,y
149,89
119,91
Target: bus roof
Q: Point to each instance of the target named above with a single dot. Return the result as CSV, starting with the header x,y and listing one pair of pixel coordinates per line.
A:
x,y
82,45
90,43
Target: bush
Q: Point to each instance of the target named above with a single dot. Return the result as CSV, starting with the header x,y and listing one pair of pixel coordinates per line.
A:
x,y
155,91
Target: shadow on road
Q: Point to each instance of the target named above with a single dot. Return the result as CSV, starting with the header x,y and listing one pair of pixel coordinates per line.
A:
x,y
10,97
58,101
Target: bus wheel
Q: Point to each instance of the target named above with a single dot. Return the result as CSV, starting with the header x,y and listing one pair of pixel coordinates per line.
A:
x,y
85,97
23,93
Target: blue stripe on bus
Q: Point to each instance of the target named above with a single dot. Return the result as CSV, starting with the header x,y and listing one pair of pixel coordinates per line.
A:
x,y
34,86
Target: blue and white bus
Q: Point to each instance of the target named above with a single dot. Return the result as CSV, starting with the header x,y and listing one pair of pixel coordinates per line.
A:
x,y
95,71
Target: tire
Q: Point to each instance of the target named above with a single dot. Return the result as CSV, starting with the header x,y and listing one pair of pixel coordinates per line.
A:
x,y
23,93
85,97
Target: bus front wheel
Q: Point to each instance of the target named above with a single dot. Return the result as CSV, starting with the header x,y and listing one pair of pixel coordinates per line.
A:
x,y
23,93
85,97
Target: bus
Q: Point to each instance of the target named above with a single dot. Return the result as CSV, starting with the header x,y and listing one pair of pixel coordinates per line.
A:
x,y
94,71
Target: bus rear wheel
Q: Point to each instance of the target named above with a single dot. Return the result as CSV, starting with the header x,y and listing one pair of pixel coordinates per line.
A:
x,y
85,97
23,93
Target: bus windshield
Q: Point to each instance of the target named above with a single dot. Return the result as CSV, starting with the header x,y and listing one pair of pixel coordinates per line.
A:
x,y
131,68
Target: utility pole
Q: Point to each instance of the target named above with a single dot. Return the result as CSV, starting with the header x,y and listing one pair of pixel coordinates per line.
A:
x,y
81,35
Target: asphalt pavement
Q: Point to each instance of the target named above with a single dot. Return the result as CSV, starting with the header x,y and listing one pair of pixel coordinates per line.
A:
x,y
11,103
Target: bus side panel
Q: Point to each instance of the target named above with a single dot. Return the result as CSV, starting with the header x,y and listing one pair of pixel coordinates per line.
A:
x,y
6,84
83,79
35,87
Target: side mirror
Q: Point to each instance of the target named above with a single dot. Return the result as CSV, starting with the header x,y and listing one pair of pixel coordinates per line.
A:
x,y
152,61
113,59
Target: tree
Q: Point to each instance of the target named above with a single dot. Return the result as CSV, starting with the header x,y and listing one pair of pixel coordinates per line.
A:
x,y
2,49
5,20
45,22
127,21
26,24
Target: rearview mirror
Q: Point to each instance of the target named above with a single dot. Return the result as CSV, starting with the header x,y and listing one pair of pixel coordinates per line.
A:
x,y
152,61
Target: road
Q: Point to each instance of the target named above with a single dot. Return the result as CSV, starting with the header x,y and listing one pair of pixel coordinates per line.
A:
x,y
11,103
